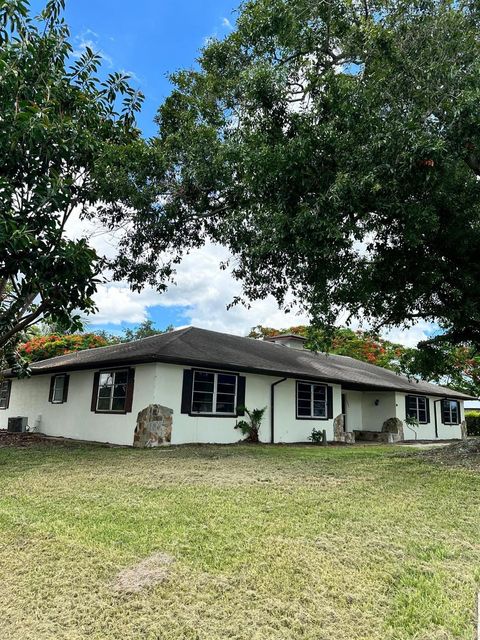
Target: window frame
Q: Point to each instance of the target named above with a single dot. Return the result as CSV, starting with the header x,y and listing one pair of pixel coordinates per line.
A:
x,y
417,398
459,416
55,377
311,384
114,373
215,414
8,385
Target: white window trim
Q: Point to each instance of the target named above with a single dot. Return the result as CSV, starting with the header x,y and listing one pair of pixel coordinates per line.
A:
x,y
451,422
113,373
214,398
311,416
55,378
417,408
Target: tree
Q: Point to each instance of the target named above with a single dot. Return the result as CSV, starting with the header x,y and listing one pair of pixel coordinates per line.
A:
x,y
63,134
49,346
143,330
334,148
457,367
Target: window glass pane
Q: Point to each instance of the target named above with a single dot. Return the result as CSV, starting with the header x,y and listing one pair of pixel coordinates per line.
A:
x,y
118,404
103,404
304,411
104,392
58,389
121,377
319,392
412,406
422,415
105,379
119,390
319,409
202,402
225,403
223,387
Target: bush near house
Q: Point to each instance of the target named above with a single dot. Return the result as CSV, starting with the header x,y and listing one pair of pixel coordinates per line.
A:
x,y
42,347
472,418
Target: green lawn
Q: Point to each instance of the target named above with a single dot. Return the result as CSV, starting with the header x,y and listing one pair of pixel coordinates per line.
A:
x,y
268,543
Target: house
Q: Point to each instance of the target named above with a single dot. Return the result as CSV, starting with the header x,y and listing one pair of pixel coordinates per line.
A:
x,y
191,385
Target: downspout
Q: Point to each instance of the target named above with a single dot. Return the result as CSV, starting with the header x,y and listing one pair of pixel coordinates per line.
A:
x,y
435,412
272,409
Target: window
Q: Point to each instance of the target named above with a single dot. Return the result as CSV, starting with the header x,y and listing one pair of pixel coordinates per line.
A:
x,y
5,393
112,391
214,393
450,412
58,389
417,407
311,400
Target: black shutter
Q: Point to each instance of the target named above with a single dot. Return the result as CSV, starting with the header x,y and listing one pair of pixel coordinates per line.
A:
x,y
96,380
241,382
52,384
329,402
65,388
187,391
130,385
9,389
427,406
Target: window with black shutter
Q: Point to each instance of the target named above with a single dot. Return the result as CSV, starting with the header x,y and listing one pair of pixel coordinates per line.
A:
x,y
58,389
417,408
312,401
214,393
5,387
450,412
113,391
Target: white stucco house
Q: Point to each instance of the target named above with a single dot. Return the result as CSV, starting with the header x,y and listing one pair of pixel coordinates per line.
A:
x,y
190,385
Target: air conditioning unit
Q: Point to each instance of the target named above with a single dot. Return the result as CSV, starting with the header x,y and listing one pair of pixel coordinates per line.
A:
x,y
18,424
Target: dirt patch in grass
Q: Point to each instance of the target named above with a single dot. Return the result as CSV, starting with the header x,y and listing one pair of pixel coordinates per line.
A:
x,y
465,453
8,439
151,571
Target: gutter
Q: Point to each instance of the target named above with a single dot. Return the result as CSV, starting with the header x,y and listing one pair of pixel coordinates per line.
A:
x,y
272,409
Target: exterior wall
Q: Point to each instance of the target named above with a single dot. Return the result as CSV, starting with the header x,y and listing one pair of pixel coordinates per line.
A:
x,y
204,429
162,384
354,410
374,415
427,431
74,419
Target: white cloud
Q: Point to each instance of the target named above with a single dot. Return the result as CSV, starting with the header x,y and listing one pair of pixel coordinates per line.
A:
x,y
203,290
90,39
226,23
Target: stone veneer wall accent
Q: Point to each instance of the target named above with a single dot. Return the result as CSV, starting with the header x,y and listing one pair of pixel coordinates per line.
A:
x,y
339,435
154,427
463,429
395,427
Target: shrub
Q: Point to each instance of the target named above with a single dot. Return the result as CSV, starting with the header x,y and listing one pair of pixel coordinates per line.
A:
x,y
251,427
317,436
472,418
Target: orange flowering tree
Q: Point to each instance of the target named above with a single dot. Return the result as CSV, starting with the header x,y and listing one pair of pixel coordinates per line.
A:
x,y
42,347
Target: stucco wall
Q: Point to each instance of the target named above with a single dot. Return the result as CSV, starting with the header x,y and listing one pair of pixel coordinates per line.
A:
x,y
168,384
427,431
374,415
354,414
74,419
162,384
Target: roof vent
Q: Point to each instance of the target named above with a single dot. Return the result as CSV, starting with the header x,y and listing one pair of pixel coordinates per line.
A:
x,y
288,340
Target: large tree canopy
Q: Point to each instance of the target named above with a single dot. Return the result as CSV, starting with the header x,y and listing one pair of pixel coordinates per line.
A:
x,y
63,133
334,148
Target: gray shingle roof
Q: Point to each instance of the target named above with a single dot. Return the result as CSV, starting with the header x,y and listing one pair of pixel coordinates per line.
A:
x,y
200,347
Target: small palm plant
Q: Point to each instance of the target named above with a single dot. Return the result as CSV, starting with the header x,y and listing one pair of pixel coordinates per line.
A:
x,y
251,426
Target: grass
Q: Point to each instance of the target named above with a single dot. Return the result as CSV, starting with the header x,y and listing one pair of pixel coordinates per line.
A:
x,y
272,543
